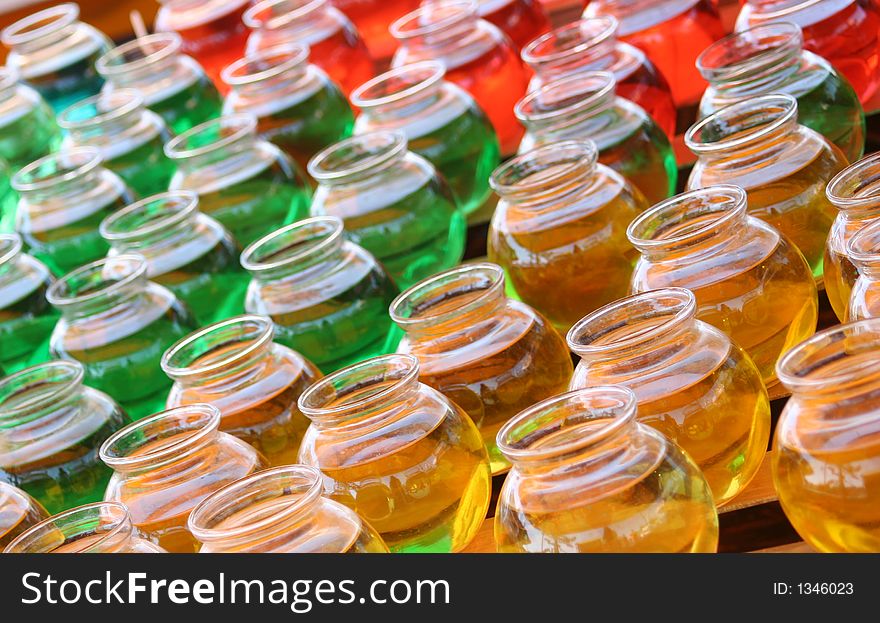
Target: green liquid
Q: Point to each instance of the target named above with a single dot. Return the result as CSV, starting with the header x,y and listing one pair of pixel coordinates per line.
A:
x,y
466,152
832,109
70,245
25,327
415,237
189,106
213,285
310,125
274,196
145,169
72,476
8,202
127,369
71,83
29,137
345,329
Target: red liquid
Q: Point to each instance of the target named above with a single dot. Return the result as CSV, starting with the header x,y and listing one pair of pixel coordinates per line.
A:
x,y
848,38
372,19
646,87
497,80
214,37
521,20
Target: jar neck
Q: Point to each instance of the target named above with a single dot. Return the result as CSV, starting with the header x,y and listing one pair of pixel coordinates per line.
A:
x,y
42,392
298,251
213,142
400,94
452,302
855,191
100,287
587,44
369,394
297,18
102,528
439,27
863,250
105,119
60,178
155,222
162,441
10,254
546,175
143,61
42,29
225,355
358,158
753,62
582,100
8,85
271,74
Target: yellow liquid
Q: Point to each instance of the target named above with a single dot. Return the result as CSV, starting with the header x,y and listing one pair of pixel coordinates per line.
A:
x,y
16,516
840,277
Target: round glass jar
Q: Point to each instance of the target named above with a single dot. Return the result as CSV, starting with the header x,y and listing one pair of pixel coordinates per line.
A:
x,y
117,324
186,251
442,123
27,123
280,511
173,85
393,203
327,296
585,107
164,465
692,383
489,354
770,59
100,528
588,477
18,512
749,280
51,426
562,215
63,198
245,182
235,366
399,453
757,144
297,106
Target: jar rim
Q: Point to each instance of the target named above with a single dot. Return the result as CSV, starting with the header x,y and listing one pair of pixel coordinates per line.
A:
x,y
206,423
131,267
682,306
241,125
863,247
581,153
787,111
272,62
311,404
10,246
90,160
107,105
214,504
186,202
623,404
429,18
262,334
732,206
605,28
170,44
842,197
251,20
53,19
493,273
327,231
754,35
59,378
434,72
119,516
377,149
792,6
528,108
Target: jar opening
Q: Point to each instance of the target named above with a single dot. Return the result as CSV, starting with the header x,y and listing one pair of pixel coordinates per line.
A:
x,y
161,437
359,154
40,24
743,123
563,97
544,167
398,84
10,247
741,53
265,64
631,321
149,216
218,346
141,53
856,186
101,278
570,41
688,217
211,136
94,527
293,244
30,391
274,14
433,18
448,296
357,387
568,423
100,109
293,487
55,169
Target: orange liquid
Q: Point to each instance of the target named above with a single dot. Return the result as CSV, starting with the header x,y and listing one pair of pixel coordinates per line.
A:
x,y
16,516
372,19
645,88
344,58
